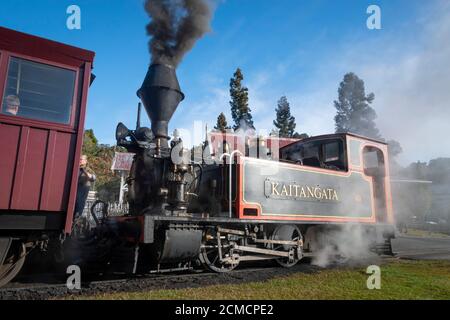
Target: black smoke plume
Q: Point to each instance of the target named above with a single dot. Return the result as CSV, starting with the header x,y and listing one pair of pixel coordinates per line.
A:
x,y
175,27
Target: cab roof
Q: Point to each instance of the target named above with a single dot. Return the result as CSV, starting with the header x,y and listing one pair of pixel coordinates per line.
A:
x,y
334,135
33,46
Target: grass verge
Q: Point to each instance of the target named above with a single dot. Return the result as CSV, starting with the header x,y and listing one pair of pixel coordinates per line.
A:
x,y
400,279
426,234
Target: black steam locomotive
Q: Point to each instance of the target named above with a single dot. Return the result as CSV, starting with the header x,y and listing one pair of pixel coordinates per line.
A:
x,y
227,206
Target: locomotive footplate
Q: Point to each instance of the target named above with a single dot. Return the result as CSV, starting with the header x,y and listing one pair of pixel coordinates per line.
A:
x,y
148,225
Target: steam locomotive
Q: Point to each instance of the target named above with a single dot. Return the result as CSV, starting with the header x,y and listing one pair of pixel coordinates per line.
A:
x,y
230,205
218,207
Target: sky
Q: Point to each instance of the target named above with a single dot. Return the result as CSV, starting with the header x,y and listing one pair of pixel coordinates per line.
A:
x,y
297,48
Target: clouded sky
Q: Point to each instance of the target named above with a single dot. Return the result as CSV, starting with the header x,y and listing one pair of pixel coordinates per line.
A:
x,y
297,48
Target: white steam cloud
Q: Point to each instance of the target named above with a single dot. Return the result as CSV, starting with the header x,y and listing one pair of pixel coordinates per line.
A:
x,y
345,244
412,91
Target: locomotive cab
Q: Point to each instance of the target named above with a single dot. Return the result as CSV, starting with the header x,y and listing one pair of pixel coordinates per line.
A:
x,y
328,153
331,153
355,167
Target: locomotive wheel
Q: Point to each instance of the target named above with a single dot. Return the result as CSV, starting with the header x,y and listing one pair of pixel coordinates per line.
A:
x,y
209,253
13,263
287,233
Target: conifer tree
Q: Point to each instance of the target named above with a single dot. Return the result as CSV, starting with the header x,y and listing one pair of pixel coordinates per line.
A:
x,y
240,111
285,122
354,113
300,135
221,124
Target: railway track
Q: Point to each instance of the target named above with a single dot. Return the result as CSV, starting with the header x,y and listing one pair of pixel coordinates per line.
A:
x,y
57,289
189,279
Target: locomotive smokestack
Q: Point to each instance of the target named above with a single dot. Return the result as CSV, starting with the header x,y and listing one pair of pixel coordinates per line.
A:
x,y
160,93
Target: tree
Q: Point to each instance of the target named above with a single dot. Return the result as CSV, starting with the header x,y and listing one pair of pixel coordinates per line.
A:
x,y
416,170
394,148
90,143
439,170
285,122
100,158
354,113
300,135
240,111
222,124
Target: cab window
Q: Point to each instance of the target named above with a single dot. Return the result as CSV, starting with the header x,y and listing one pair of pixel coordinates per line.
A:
x,y
326,154
374,167
332,156
38,91
373,162
331,152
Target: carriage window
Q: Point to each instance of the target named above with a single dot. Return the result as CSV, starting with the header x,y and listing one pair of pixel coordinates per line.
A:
x,y
38,91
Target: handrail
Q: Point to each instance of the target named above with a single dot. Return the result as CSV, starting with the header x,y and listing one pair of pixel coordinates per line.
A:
x,y
230,155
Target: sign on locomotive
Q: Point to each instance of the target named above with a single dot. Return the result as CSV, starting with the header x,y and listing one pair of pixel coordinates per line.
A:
x,y
220,208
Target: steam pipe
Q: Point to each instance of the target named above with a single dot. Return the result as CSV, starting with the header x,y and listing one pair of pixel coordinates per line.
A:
x,y
138,119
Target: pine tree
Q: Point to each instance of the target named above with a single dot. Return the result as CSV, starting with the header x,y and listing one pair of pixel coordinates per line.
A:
x,y
300,135
240,110
285,122
354,113
222,124
394,148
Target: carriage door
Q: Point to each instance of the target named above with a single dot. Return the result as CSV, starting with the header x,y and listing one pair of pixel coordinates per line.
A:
x,y
374,166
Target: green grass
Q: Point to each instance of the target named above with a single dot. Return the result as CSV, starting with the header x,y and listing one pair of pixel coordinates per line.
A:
x,y
402,279
426,234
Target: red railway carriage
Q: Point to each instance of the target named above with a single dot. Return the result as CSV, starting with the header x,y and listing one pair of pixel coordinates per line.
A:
x,y
43,86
